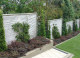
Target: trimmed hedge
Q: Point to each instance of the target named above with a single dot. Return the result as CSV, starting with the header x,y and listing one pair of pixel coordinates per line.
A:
x,y
3,46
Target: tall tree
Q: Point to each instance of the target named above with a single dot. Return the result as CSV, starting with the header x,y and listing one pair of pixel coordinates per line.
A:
x,y
68,10
68,14
42,25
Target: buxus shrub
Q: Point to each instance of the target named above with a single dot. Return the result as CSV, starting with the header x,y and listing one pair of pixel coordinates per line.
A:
x,y
3,46
69,30
75,26
55,32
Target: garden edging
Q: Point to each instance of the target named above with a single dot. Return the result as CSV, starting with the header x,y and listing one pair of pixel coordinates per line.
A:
x,y
38,50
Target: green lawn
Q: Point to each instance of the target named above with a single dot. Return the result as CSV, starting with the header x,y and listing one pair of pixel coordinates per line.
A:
x,y
72,46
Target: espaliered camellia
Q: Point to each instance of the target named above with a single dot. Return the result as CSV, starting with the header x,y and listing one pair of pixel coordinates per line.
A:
x,y
3,46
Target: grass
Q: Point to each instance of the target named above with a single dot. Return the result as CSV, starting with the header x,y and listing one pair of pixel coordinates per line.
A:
x,y
72,46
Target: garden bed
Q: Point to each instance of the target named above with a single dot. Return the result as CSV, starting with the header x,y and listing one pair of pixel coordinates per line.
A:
x,y
64,38
18,49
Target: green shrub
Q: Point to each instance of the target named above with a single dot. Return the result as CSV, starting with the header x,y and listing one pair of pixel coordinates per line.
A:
x,y
75,26
68,10
69,30
68,14
3,46
48,34
42,25
22,31
55,32
64,29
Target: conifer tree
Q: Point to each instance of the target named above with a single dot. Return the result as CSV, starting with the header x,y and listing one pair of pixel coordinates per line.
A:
x,y
42,25
3,46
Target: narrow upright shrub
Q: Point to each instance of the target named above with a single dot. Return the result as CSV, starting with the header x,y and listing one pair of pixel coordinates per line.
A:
x,y
68,14
42,24
69,30
75,27
55,32
48,35
3,46
68,10
64,29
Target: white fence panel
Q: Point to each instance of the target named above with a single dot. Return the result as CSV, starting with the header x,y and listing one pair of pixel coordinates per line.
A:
x,y
10,19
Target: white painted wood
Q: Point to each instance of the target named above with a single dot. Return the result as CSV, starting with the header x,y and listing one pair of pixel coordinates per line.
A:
x,y
10,19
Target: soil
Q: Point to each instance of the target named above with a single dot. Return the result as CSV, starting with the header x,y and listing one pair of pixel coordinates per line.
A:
x,y
18,49
64,38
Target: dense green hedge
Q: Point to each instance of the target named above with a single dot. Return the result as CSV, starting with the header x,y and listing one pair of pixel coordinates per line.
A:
x,y
2,36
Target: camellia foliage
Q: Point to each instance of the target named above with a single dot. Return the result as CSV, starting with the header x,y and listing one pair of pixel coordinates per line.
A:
x,y
3,46
22,31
